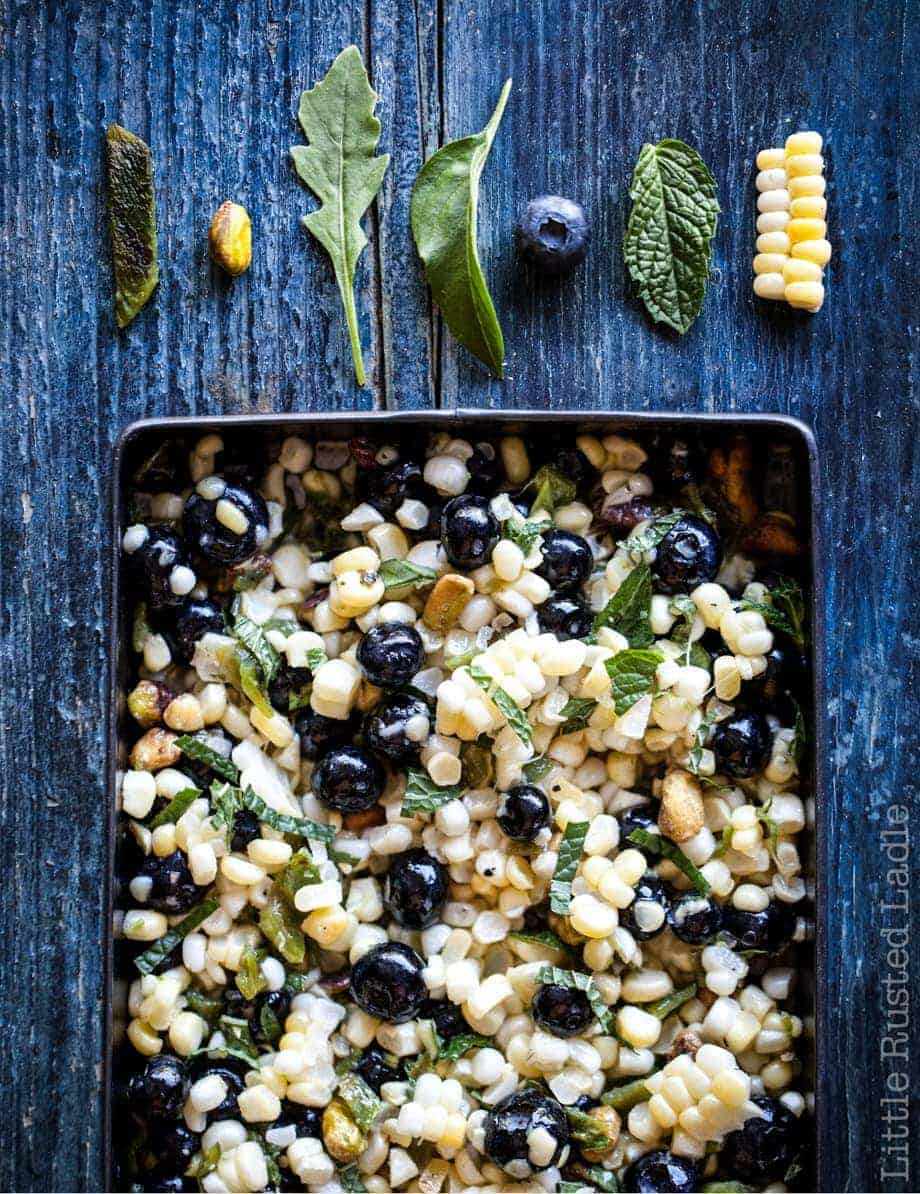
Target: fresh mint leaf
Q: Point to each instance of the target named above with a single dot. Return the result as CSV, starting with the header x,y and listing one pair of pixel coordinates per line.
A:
x,y
553,487
525,532
443,215
285,626
507,706
458,1045
581,982
454,661
576,711
603,1179
351,1181
342,857
570,848
639,542
180,803
300,699
148,961
537,769
666,848
271,1026
209,1007
397,574
682,607
700,738
253,638
296,826
316,657
668,243
238,1042
545,937
785,610
251,684
340,167
627,611
632,676
198,749
359,1099
668,1004
423,795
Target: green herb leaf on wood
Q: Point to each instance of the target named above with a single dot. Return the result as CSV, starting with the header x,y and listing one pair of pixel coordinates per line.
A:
x,y
443,214
669,236
339,166
132,221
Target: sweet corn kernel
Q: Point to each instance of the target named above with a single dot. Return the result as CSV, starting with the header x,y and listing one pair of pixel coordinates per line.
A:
x,y
797,269
807,295
818,251
804,142
804,165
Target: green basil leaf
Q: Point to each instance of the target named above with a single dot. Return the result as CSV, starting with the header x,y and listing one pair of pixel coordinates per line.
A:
x,y
254,640
668,243
537,769
668,1004
397,574
627,611
148,961
632,676
424,796
296,826
576,711
207,1006
458,1045
180,803
581,982
197,749
360,1100
281,925
340,168
443,215
570,848
553,488
661,845
250,981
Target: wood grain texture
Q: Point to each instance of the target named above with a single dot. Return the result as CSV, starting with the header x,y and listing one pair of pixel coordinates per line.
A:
x,y
213,87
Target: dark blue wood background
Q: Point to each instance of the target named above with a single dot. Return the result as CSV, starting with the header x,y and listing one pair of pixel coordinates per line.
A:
x,y
213,88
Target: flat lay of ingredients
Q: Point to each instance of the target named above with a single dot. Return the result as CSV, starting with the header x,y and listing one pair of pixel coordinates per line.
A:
x,y
667,242
461,823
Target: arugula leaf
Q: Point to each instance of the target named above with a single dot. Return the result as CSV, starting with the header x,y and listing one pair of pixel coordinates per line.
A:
x,y
544,937
661,845
251,684
359,1099
281,925
296,826
668,243
443,215
627,611
576,711
507,706
351,1181
524,532
424,796
581,982
554,489
254,640
627,1095
148,961
195,748
570,848
250,980
632,676
537,769
180,803
340,167
668,1004
396,574
639,542
586,1130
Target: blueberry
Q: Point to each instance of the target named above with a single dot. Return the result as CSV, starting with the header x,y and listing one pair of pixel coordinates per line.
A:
x,y
373,1068
173,1147
172,888
553,234
348,779
637,816
762,1150
660,1172
485,471
509,1124
689,555
160,1090
416,888
230,1073
288,682
574,464
306,1121
387,488
387,982
318,733
152,562
674,462
563,1011
767,930
469,531
645,917
246,828
694,918
447,1017
195,617
565,616
567,560
397,727
742,744
390,654
774,689
219,543
522,812
279,1004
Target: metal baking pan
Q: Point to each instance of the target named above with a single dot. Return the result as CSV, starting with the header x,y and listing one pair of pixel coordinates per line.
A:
x,y
138,441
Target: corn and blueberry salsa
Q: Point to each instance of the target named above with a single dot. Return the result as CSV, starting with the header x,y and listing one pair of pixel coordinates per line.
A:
x,y
461,821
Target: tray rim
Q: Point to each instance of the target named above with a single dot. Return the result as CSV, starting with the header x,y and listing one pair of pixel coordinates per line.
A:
x,y
458,416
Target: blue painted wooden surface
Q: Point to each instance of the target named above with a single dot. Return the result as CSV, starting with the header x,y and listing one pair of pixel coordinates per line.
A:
x,y
213,88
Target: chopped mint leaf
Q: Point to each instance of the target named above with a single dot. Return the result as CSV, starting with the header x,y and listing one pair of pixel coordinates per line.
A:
x,y
587,1131
296,826
537,769
632,676
627,1095
397,574
576,711
525,532
668,1004
351,1181
359,1099
570,848
198,749
253,639
799,736
148,961
507,706
281,925
300,871
424,796
639,542
180,803
251,684
544,937
581,982
666,848
553,489
458,1045
627,611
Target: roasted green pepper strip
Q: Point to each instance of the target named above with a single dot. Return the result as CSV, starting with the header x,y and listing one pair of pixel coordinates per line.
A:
x,y
132,221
